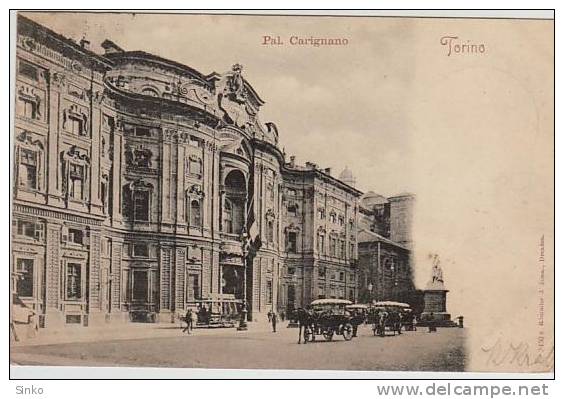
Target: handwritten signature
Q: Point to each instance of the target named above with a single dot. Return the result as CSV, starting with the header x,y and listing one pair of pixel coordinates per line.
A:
x,y
518,354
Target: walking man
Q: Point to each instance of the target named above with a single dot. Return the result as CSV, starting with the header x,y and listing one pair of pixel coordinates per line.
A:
x,y
273,318
188,320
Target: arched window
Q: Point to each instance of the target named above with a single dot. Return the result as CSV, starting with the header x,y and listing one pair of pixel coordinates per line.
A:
x,y
234,203
195,213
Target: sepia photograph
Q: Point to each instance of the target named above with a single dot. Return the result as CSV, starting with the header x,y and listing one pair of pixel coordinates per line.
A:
x,y
276,191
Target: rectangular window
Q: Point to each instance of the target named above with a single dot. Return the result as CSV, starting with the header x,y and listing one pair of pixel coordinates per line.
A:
x,y
321,243
341,276
28,70
269,291
291,270
292,241
25,228
27,176
142,131
193,287
76,125
321,271
28,108
76,236
321,291
270,231
195,214
24,285
76,181
343,249
141,206
333,246
141,250
351,250
292,210
74,281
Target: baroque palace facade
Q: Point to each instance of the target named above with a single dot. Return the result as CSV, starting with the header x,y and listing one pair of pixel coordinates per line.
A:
x,y
135,179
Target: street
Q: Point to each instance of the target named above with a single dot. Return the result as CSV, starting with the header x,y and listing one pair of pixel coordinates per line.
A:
x,y
258,348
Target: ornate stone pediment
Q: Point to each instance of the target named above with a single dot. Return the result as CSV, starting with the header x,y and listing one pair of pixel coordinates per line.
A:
x,y
27,138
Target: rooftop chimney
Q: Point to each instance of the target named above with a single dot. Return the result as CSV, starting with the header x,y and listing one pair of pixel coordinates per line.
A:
x,y
292,161
328,171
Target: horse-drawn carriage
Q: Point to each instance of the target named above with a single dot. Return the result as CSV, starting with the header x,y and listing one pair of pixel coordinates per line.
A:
x,y
327,317
388,315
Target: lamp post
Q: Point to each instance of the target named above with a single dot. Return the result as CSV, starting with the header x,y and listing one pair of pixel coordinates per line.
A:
x,y
370,288
245,249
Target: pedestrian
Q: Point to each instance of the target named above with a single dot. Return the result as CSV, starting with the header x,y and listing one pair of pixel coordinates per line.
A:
x,y
194,320
273,319
283,316
269,314
188,320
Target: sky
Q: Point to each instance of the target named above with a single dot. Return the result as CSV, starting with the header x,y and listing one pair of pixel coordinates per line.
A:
x,y
334,106
471,134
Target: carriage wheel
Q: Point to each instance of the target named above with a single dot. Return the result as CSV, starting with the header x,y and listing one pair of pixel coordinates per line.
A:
x,y
328,334
348,332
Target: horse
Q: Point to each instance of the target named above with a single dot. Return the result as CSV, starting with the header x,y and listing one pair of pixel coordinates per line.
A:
x,y
305,321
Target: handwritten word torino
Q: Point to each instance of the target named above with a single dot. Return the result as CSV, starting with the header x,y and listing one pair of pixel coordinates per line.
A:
x,y
457,47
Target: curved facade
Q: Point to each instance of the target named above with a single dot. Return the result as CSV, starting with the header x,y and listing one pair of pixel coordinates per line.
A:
x,y
137,180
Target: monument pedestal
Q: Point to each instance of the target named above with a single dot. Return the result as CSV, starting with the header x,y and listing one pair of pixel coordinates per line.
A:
x,y
435,311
